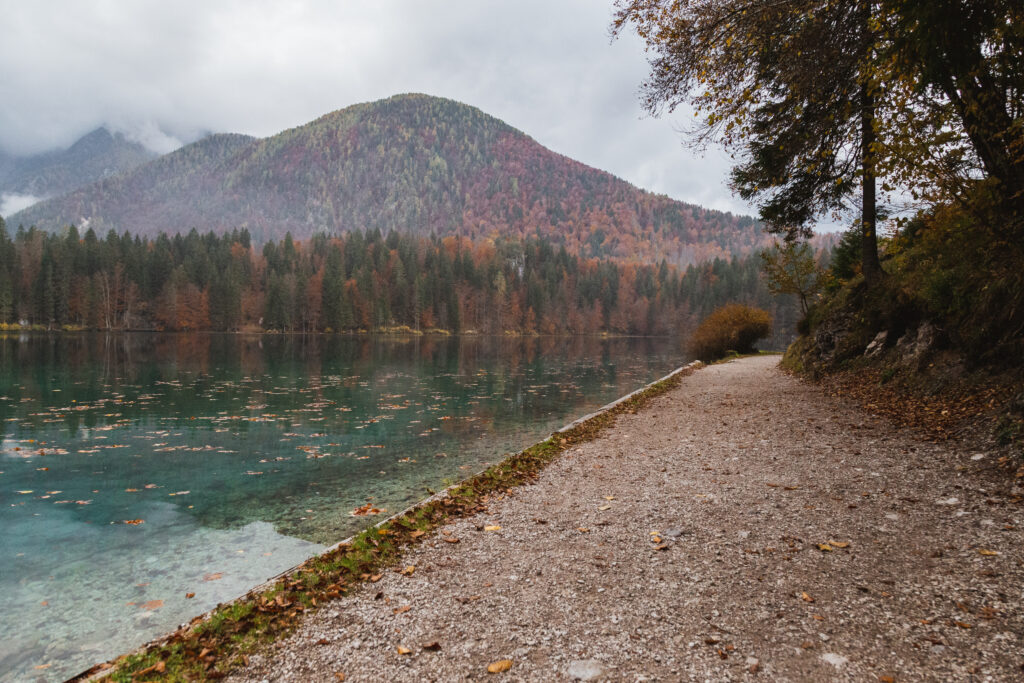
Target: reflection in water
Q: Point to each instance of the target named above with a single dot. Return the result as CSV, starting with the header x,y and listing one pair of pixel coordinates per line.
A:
x,y
139,468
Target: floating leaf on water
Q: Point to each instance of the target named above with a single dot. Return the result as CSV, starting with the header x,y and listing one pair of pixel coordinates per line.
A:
x,y
134,522
215,576
152,604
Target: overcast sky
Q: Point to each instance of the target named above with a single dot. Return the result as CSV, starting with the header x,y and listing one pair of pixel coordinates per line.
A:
x,y
165,72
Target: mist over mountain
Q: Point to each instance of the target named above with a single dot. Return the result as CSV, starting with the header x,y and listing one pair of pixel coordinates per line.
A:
x,y
97,155
412,163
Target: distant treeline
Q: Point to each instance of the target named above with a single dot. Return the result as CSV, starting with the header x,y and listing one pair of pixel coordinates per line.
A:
x,y
356,281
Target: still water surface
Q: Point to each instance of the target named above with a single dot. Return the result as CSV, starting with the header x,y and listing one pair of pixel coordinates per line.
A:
x,y
137,469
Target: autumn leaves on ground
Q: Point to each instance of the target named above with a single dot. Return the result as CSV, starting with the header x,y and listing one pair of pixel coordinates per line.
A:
x,y
742,524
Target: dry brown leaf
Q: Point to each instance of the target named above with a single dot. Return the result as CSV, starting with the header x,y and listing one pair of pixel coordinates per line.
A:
x,y
216,576
432,646
886,679
190,595
418,533
825,547
987,553
451,540
963,624
582,529
403,609
604,507
609,497
152,604
338,676
806,598
492,527
376,577
499,666
839,544
409,570
404,650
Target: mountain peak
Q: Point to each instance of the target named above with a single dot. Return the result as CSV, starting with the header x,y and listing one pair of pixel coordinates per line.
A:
x,y
412,163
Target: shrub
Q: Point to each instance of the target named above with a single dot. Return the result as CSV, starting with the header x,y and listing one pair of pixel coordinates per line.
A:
x,y
733,327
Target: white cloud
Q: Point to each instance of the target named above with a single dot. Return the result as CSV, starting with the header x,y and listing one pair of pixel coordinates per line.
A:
x,y
11,203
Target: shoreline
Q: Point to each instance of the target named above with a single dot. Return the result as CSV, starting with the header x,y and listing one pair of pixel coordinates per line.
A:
x,y
513,471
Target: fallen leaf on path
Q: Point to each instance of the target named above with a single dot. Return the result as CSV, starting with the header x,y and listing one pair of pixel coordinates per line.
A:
x,y
987,553
806,598
605,507
825,547
432,645
492,527
404,650
403,609
408,570
609,497
338,676
451,540
886,679
499,666
839,544
418,533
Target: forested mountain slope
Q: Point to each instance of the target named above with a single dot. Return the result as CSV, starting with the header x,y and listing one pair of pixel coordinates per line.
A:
x,y
98,155
412,163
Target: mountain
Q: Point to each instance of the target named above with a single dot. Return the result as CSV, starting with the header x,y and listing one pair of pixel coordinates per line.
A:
x,y
411,163
98,155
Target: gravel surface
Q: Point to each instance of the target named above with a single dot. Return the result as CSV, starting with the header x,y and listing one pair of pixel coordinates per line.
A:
x,y
684,545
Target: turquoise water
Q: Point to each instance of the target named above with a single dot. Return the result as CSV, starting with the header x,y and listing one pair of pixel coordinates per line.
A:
x,y
138,469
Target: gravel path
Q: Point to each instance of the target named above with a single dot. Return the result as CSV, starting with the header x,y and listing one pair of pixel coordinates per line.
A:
x,y
684,545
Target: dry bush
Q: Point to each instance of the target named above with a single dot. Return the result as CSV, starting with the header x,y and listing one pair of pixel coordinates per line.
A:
x,y
733,327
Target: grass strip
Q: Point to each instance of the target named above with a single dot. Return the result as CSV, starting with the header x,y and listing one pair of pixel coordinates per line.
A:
x,y
212,645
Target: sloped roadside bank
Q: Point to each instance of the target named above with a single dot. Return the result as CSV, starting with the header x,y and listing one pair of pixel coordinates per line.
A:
x,y
797,538
213,643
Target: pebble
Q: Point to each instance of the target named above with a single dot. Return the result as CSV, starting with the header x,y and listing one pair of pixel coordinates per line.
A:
x,y
835,660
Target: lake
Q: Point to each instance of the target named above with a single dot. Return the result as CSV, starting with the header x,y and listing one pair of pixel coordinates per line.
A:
x,y
144,478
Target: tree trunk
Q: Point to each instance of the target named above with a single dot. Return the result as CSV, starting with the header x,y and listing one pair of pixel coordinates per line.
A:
x,y
870,266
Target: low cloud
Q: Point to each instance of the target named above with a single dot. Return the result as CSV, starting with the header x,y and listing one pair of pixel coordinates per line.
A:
x,y
11,203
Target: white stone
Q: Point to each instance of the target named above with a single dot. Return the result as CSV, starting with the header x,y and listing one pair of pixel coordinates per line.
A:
x,y
834,659
585,669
